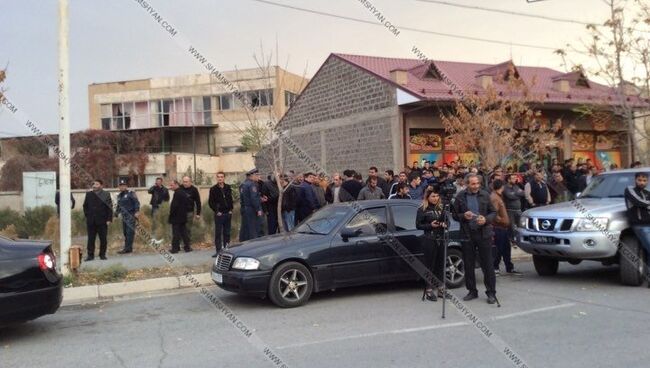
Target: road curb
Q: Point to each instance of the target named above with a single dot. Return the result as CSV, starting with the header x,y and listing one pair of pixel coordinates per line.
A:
x,y
108,292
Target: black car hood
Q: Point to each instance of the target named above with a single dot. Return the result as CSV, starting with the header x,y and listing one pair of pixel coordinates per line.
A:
x,y
272,243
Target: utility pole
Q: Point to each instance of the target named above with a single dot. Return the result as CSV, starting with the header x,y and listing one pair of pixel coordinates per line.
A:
x,y
65,160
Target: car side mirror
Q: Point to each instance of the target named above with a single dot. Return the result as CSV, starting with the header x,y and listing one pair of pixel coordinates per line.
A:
x,y
348,233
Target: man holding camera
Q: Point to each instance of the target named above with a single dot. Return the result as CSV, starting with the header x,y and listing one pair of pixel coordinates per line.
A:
x,y
475,212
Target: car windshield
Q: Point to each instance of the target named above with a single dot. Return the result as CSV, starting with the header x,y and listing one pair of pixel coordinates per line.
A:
x,y
323,221
608,186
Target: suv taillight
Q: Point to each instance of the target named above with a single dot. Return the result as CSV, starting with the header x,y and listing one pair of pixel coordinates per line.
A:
x,y
46,261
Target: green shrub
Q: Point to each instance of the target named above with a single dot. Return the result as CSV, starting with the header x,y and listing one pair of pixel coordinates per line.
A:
x,y
8,217
78,223
162,229
34,220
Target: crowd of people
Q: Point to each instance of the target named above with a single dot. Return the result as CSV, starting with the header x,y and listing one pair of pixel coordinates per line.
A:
x,y
487,202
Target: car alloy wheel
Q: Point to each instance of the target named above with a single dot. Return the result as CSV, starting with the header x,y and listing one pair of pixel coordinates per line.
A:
x,y
455,268
291,285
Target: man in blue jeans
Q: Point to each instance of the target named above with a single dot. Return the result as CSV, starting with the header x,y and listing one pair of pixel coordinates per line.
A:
x,y
637,201
220,201
501,227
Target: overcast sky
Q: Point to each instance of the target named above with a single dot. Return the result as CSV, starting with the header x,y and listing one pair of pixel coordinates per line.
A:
x,y
117,40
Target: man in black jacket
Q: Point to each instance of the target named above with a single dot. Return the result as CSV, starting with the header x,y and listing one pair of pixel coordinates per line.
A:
x,y
475,212
350,188
98,209
178,217
289,198
637,201
194,206
220,201
270,196
159,194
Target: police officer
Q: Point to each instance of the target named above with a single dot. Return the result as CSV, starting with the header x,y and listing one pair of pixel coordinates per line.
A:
x,y
128,206
251,206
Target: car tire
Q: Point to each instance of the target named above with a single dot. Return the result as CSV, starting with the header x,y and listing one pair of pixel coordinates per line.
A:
x,y
455,268
291,285
631,272
545,266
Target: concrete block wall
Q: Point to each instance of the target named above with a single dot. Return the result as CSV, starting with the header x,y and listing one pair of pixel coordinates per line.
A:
x,y
345,118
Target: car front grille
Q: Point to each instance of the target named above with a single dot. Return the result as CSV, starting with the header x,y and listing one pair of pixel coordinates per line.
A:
x,y
537,224
223,262
566,225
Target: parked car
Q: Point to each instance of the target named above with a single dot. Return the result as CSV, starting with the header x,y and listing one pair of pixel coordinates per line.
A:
x,y
337,246
30,285
592,227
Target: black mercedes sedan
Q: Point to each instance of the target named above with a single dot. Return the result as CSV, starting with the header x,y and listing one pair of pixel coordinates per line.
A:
x,y
338,246
30,285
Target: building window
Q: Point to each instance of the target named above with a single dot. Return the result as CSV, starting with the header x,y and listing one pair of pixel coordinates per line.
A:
x,y
289,98
263,97
225,102
202,110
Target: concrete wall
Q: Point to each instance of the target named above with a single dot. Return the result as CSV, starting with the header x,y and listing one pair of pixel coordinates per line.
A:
x,y
345,118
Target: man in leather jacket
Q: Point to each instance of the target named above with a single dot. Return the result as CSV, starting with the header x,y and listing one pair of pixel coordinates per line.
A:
x,y
475,212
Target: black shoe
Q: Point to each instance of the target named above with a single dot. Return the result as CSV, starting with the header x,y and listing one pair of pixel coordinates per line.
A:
x,y
103,258
187,250
215,255
470,296
430,296
124,251
514,272
89,258
491,299
173,251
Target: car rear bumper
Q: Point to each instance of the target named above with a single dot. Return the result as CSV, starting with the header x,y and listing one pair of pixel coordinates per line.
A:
x,y
28,305
573,245
254,283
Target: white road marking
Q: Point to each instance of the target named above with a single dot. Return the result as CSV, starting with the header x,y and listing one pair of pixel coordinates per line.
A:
x,y
423,328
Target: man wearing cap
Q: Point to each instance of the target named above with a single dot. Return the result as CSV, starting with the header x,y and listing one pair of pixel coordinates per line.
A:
x,y
251,206
128,206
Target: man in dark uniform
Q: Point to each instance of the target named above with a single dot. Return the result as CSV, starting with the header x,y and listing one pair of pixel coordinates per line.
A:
x,y
178,217
251,206
475,212
637,201
128,206
98,209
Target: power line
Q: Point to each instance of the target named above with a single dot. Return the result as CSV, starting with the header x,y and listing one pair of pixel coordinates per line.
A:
x,y
520,14
425,31
508,12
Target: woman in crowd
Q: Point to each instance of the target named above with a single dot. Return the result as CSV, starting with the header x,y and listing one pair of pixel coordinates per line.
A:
x,y
431,218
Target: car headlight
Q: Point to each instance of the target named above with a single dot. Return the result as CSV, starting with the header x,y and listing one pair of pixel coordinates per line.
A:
x,y
523,221
593,224
245,263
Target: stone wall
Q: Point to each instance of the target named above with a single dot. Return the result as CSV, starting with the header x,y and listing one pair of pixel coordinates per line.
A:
x,y
345,118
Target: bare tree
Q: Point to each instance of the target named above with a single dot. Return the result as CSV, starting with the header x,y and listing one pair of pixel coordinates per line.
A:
x,y
258,132
501,122
618,51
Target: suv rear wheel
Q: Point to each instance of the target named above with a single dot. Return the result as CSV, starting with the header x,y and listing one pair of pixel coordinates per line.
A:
x,y
545,266
633,261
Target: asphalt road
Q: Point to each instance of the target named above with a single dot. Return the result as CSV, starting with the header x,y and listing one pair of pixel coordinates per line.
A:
x,y
580,318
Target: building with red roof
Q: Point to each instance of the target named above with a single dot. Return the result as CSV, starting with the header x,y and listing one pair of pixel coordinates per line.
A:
x,y
360,111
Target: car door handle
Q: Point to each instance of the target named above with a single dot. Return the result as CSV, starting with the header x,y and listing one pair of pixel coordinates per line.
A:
x,y
361,242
